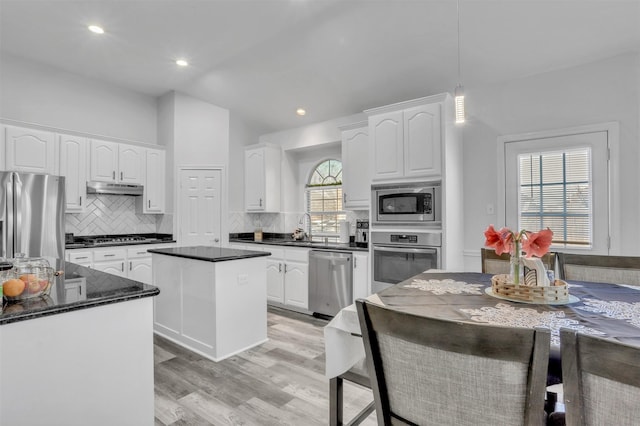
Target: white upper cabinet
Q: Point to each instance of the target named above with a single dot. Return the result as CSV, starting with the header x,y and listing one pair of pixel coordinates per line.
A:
x,y
153,199
356,181
422,141
406,142
262,170
29,150
131,162
73,166
114,162
387,143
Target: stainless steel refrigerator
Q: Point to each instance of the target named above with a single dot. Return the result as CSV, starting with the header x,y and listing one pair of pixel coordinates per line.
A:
x,y
32,214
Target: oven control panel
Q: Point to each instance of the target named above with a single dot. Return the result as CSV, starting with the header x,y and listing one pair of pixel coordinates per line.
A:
x,y
404,239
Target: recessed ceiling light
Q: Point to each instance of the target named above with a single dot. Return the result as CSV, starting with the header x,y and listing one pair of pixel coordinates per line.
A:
x,y
182,63
96,29
301,112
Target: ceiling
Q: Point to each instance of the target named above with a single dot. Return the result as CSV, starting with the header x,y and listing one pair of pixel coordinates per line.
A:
x,y
262,59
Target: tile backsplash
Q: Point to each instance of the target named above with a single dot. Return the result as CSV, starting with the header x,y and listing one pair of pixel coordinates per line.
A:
x,y
110,214
240,221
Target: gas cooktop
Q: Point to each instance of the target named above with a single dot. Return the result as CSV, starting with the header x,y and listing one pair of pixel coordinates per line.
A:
x,y
112,240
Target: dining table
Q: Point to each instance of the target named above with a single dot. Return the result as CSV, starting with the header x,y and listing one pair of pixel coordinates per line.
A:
x,y
600,309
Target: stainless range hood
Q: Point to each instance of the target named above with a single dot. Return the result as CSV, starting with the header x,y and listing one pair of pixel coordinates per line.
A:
x,y
113,188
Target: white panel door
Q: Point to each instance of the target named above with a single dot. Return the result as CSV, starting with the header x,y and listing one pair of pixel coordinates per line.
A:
x,y
296,284
199,209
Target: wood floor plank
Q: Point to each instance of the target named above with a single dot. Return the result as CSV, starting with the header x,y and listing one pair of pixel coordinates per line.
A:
x,y
280,382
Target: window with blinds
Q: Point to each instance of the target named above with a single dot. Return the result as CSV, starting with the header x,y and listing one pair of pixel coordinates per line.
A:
x,y
324,200
555,191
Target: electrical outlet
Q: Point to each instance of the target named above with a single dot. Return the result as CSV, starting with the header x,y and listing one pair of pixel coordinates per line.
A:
x,y
243,279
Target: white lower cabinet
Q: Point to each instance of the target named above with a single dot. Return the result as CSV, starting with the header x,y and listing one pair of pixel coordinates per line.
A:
x,y
139,266
133,262
110,260
361,285
288,277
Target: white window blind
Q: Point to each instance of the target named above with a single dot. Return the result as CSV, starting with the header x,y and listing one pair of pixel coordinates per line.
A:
x,y
324,199
555,192
560,182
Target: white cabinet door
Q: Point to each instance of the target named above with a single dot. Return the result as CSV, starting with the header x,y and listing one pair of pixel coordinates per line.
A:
x,y
115,267
140,270
131,164
75,289
154,194
386,134
296,284
73,166
275,280
356,181
254,181
262,179
360,276
422,141
104,161
29,150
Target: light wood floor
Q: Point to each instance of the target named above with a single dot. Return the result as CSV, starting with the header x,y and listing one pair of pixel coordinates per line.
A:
x,y
281,382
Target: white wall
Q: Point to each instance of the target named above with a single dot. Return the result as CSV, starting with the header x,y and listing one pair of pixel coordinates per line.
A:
x,y
39,94
240,135
594,93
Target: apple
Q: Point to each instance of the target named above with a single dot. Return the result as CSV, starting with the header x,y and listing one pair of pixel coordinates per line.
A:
x,y
33,287
43,284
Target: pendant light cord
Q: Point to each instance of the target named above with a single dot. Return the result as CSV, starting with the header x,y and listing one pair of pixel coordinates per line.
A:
x,y
458,14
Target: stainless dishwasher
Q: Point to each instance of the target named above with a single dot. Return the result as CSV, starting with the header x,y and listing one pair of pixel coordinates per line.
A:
x,y
330,281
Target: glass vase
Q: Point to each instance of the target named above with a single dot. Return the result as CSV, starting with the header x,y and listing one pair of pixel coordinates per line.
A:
x,y
516,269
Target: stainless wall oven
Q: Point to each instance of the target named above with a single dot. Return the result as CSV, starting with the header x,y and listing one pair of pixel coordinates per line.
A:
x,y
398,256
409,204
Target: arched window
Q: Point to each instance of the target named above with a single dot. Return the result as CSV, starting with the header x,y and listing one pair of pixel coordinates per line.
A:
x,y
324,200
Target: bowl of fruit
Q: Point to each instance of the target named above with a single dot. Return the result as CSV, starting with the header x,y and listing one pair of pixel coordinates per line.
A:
x,y
28,278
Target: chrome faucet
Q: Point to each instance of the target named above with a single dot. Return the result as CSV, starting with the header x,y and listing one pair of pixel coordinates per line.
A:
x,y
306,231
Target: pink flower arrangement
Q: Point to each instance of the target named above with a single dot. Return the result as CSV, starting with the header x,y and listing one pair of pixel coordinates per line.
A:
x,y
506,241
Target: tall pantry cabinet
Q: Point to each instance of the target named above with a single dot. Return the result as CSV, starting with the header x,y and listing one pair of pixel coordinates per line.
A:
x,y
418,141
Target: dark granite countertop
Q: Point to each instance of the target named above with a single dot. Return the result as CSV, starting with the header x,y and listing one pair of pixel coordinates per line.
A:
x,y
286,241
209,254
100,289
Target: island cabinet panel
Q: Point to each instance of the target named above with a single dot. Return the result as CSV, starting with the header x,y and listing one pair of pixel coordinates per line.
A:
x,y
168,308
85,367
214,308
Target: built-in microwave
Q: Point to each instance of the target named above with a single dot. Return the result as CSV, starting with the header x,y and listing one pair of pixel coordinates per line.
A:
x,y
407,204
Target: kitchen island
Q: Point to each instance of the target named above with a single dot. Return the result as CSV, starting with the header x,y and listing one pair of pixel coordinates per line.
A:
x,y
213,300
77,360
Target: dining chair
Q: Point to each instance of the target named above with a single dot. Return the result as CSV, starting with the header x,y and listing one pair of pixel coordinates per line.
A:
x,y
428,371
499,264
359,375
601,380
597,268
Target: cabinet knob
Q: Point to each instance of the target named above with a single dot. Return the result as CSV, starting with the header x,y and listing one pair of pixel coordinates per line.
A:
x,y
216,240
344,197
121,175
355,262
114,175
81,200
130,265
122,266
285,268
279,267
149,203
260,202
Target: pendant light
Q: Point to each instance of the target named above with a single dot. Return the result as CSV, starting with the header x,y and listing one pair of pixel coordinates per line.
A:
x,y
459,92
